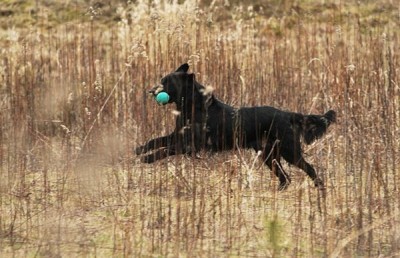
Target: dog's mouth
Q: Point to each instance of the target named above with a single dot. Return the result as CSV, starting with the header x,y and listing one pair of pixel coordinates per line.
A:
x,y
156,90
160,96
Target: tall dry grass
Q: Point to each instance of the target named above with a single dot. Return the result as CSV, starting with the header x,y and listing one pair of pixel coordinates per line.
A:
x,y
73,104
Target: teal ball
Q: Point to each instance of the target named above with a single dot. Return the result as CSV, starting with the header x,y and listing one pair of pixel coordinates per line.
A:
x,y
162,98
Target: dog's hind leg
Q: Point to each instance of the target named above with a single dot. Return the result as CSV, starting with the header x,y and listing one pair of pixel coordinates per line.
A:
x,y
304,165
291,152
271,157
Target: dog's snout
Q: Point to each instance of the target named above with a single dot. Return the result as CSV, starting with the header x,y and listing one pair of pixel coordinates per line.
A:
x,y
156,89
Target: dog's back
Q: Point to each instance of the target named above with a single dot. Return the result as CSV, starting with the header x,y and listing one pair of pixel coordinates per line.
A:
x,y
265,121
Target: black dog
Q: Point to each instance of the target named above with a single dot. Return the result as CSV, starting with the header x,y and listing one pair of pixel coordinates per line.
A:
x,y
204,122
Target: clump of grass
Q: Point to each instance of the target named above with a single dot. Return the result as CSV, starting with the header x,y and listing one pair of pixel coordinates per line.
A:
x,y
274,235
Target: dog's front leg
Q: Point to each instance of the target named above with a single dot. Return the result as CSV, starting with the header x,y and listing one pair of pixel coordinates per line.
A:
x,y
154,144
176,144
159,154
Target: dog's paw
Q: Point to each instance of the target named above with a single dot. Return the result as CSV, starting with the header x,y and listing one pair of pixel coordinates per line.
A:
x,y
319,183
147,159
283,185
139,150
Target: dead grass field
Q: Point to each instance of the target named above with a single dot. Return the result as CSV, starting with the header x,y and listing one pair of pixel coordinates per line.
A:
x,y
73,81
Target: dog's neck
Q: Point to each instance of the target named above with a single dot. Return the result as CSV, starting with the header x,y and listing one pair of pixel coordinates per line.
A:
x,y
213,104
188,104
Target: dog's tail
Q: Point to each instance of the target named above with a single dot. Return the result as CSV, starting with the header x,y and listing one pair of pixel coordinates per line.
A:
x,y
314,126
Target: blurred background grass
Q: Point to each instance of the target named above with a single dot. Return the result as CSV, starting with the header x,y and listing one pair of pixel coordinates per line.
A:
x,y
47,14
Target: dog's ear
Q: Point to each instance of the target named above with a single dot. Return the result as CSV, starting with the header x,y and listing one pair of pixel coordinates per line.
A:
x,y
183,68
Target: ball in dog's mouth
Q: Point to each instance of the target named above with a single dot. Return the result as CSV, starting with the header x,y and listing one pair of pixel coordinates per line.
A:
x,y
162,98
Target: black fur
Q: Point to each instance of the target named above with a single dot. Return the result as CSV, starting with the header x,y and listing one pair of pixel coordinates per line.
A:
x,y
204,122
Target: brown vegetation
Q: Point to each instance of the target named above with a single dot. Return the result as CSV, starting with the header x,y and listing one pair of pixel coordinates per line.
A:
x,y
73,105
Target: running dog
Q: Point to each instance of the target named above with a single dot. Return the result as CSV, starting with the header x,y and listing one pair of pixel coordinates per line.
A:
x,y
206,123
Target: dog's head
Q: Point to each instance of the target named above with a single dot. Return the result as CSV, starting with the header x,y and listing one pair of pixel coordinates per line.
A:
x,y
181,87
